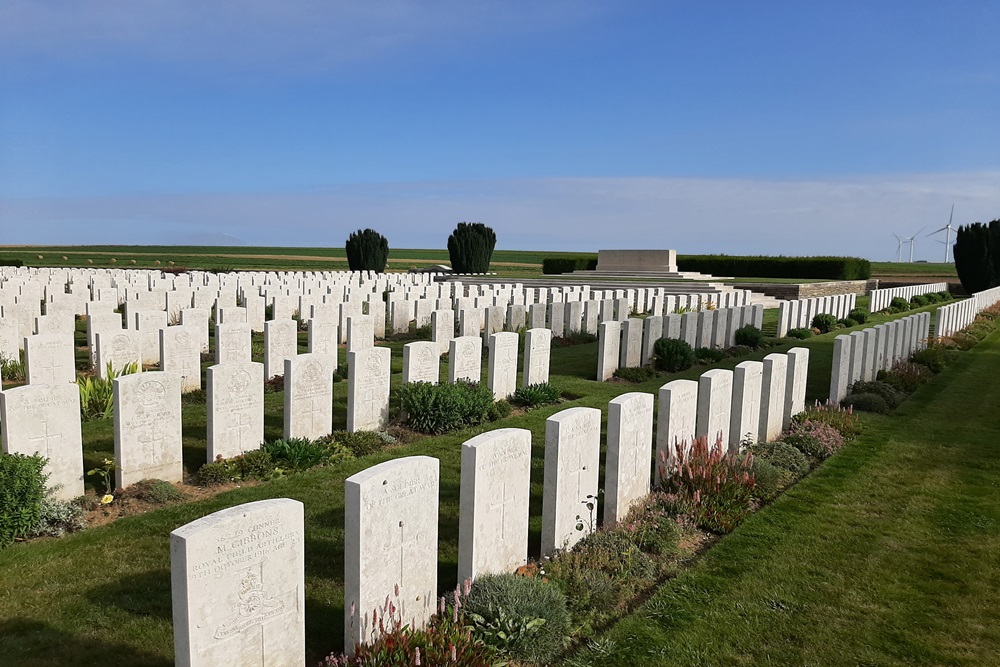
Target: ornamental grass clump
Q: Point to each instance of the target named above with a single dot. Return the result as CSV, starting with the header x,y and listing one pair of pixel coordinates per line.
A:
x,y
535,395
709,484
841,418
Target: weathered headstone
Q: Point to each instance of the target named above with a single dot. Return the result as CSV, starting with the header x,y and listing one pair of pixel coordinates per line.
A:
x,y
309,396
180,352
280,342
629,454
148,427
502,369
676,421
795,382
235,393
465,359
537,348
421,362
772,397
744,422
715,401
233,343
390,544
120,349
630,355
48,359
569,490
238,586
368,389
840,378
608,349
46,419
493,517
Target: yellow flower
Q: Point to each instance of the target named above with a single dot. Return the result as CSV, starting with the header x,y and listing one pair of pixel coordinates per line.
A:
x,y
107,499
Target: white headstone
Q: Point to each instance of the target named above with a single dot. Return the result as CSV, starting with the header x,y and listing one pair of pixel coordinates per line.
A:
x,y
609,344
280,342
572,462
233,343
180,352
238,584
715,401
772,397
465,359
235,392
148,427
493,517
629,454
421,362
49,359
676,419
537,348
502,370
309,396
368,389
744,423
795,382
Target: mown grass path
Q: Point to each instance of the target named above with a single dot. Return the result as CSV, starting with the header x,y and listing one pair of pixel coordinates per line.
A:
x,y
886,555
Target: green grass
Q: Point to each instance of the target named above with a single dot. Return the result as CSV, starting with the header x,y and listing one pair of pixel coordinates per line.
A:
x,y
886,555
913,269
103,596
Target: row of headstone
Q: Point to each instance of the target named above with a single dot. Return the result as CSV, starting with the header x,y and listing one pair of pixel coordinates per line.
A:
x,y
954,317
799,314
862,354
631,343
880,298
238,575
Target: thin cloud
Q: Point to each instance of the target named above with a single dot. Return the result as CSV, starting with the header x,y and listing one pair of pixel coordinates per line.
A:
x,y
856,217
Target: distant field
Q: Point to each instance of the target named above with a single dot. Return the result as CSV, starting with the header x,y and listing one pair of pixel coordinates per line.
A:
x,y
508,263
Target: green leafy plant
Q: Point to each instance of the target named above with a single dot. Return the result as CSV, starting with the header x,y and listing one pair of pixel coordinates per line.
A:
x,y
905,376
673,355
523,618
934,357
919,300
769,480
535,395
58,517
297,453
899,304
867,403
859,315
106,474
824,322
636,374
156,491
847,322
892,396
750,336
367,250
440,408
707,355
97,395
361,443
12,368
801,334
815,439
781,455
22,491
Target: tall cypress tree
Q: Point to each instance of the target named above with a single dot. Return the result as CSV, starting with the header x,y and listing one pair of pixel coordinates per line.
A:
x,y
367,250
974,257
470,247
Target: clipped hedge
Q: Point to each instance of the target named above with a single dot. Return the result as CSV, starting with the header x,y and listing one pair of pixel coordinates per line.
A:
x,y
556,265
830,268
11,262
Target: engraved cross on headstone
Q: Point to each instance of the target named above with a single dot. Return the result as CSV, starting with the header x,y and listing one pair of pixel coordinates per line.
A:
x,y
580,469
46,437
502,504
51,367
242,424
314,410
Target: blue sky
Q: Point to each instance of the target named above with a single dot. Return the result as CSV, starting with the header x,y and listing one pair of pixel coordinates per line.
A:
x,y
770,127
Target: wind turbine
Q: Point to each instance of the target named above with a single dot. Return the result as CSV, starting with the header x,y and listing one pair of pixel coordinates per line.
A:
x,y
899,247
910,239
947,229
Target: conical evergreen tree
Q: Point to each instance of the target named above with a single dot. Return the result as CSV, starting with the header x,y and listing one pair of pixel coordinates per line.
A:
x,y
470,247
367,250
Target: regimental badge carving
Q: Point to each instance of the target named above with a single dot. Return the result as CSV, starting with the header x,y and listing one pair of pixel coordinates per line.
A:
x,y
239,382
254,606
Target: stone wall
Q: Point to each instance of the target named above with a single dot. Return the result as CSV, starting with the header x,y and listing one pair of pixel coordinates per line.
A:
x,y
794,291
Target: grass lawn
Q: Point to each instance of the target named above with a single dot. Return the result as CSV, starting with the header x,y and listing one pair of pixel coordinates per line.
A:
x,y
102,596
886,555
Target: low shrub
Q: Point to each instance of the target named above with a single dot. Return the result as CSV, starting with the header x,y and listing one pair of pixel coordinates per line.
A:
x,y
899,304
859,315
216,473
781,455
801,333
769,480
440,408
934,357
523,618
891,395
303,453
867,403
710,485
815,439
57,518
274,385
919,301
256,464
933,297
636,374
22,490
945,295
673,355
155,491
500,409
979,329
847,323
707,355
841,418
535,395
825,322
739,351
194,397
570,339
749,335
362,443
905,376
556,265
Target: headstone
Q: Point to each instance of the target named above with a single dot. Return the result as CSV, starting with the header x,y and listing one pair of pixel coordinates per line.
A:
x,y
557,319
442,329
235,393
323,336
465,359
233,343
120,349
49,359
569,490
360,332
630,355
309,396
744,422
493,517
196,321
148,427
238,587
45,419
180,352
421,362
689,329
390,541
609,344
537,348
149,323
573,322
652,331
795,382
715,401
629,454
502,370
772,397
676,420
470,322
280,342
368,389
840,377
